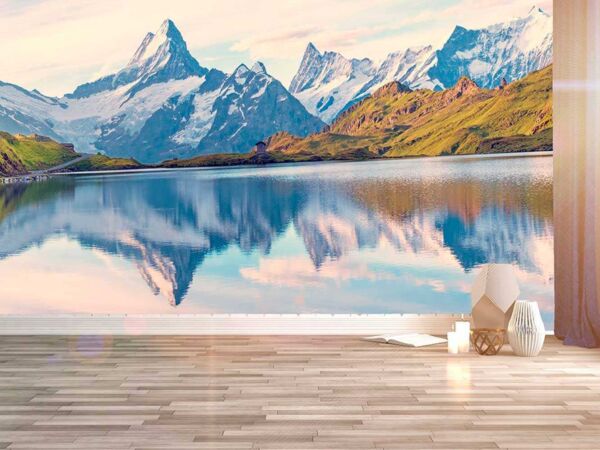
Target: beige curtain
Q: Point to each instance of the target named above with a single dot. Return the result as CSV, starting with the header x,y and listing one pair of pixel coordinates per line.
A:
x,y
577,170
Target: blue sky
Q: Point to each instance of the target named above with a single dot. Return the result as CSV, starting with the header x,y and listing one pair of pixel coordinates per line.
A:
x,y
54,45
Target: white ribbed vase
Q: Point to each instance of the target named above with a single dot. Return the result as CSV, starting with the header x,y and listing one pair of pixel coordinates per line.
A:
x,y
526,331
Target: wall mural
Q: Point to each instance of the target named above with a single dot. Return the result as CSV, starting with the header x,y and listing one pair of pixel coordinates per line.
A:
x,y
354,100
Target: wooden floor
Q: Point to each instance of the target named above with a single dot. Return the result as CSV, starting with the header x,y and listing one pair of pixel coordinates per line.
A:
x,y
290,393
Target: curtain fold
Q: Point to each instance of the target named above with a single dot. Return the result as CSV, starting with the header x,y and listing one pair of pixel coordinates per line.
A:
x,y
577,171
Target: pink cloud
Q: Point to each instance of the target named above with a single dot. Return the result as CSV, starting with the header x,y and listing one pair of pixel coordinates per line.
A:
x,y
299,271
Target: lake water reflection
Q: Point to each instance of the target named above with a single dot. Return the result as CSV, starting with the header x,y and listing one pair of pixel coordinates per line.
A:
x,y
372,237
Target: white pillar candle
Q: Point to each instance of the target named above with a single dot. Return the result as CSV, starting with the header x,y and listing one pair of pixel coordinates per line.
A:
x,y
452,342
463,331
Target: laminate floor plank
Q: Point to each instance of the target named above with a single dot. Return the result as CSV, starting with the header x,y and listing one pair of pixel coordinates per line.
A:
x,y
290,392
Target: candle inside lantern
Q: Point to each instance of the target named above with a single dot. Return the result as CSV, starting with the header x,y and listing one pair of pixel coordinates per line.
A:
x,y
463,331
452,342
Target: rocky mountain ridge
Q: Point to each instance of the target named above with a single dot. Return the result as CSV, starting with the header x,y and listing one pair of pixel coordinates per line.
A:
x,y
507,50
162,105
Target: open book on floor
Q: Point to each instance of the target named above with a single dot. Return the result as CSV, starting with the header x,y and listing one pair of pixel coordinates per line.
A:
x,y
407,340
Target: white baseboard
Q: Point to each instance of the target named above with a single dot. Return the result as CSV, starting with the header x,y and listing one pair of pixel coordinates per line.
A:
x,y
214,324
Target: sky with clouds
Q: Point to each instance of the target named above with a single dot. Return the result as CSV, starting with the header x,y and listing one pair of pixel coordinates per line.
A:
x,y
55,45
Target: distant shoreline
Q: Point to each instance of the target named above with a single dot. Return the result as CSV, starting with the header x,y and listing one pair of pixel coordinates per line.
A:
x,y
277,164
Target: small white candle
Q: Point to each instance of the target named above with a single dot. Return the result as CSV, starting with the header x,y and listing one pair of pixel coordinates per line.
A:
x,y
452,342
463,330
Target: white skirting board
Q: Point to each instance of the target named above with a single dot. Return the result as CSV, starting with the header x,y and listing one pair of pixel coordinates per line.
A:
x,y
214,324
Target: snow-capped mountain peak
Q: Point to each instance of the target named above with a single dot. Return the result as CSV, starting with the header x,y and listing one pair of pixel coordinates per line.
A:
x,y
242,69
327,82
164,56
167,36
307,70
311,49
143,51
536,28
259,67
250,105
241,74
408,67
161,56
508,50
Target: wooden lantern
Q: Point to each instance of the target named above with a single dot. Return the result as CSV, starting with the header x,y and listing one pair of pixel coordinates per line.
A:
x,y
488,341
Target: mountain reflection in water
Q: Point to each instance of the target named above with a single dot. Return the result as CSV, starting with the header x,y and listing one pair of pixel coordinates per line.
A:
x,y
332,237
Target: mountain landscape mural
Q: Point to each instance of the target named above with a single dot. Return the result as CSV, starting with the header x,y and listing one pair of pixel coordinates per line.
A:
x,y
417,142
164,105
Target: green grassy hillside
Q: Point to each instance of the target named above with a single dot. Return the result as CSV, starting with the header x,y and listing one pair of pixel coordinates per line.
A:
x,y
327,145
103,162
465,119
20,154
522,109
273,157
